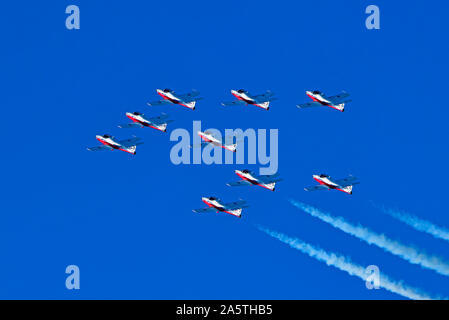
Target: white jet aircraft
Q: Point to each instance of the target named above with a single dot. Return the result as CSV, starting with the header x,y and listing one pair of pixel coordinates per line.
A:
x,y
215,204
170,97
139,121
319,99
327,183
110,143
244,98
251,179
209,138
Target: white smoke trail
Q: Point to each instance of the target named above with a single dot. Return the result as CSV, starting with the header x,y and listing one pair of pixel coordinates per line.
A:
x,y
418,224
407,253
343,263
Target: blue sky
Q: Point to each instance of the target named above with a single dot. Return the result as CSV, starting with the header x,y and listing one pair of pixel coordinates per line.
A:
x,y
127,221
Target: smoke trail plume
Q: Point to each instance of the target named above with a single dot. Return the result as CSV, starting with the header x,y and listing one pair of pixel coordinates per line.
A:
x,y
343,263
405,252
418,223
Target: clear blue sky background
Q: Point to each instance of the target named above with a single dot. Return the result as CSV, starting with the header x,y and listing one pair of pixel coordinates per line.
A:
x,y
127,221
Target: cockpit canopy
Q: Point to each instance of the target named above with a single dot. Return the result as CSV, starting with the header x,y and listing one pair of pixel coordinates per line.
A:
x,y
324,176
241,91
167,90
137,113
317,92
107,136
246,171
212,198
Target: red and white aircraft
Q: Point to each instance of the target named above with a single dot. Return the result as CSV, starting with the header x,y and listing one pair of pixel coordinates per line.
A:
x,y
139,121
109,143
326,183
244,98
209,138
319,99
187,100
215,204
251,179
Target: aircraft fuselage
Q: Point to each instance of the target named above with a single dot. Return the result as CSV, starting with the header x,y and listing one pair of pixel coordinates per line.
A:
x,y
117,146
332,185
221,208
173,99
323,101
243,96
211,139
141,120
253,180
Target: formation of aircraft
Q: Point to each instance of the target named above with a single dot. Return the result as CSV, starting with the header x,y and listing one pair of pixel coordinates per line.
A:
x,y
245,98
110,143
208,137
327,183
251,179
170,97
216,205
319,100
139,121
248,178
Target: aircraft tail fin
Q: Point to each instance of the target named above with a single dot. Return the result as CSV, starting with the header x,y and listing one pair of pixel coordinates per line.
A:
x,y
270,186
132,149
347,189
232,147
162,127
265,105
340,107
191,105
236,212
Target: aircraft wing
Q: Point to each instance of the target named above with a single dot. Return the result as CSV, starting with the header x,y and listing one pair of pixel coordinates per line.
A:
x,y
214,135
339,98
158,103
269,179
131,125
239,183
264,97
349,181
204,210
309,105
236,205
100,148
316,188
233,103
160,119
199,145
130,142
189,97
